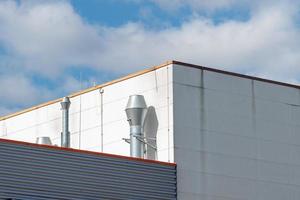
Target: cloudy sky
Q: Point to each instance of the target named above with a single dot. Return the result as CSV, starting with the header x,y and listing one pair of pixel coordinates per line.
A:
x,y
47,47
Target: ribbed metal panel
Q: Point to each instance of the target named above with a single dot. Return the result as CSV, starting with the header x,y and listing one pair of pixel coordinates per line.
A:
x,y
36,172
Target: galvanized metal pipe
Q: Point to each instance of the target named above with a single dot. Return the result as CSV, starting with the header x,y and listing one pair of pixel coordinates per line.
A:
x,y
136,146
65,135
136,112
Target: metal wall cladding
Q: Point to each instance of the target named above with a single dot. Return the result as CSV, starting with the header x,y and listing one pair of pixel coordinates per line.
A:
x,y
235,138
36,173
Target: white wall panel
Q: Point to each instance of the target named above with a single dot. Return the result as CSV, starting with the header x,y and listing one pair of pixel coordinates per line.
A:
x,y
227,83
85,116
277,93
235,138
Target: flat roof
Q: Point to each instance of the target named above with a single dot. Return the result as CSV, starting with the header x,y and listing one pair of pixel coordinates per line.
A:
x,y
33,145
147,71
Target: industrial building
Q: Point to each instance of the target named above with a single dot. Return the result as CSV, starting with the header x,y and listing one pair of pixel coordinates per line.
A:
x,y
232,137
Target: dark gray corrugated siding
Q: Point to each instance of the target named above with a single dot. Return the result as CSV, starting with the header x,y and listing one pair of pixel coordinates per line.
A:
x,y
36,173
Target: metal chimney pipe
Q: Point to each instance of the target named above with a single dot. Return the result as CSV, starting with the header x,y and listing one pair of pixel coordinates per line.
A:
x,y
136,110
65,135
43,140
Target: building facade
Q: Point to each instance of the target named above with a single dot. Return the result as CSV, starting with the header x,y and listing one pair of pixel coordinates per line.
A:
x,y
232,136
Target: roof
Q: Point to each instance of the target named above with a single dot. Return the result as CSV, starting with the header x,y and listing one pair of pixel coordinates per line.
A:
x,y
38,172
41,146
147,71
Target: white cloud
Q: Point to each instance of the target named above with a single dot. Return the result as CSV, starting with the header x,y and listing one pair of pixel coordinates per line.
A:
x,y
210,6
267,44
18,91
196,4
50,37
46,37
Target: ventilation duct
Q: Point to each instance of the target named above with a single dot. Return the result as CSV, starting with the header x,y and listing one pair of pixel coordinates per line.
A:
x,y
136,110
65,135
43,140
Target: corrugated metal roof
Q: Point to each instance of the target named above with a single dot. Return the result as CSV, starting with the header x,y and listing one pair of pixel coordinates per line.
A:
x,y
39,146
31,171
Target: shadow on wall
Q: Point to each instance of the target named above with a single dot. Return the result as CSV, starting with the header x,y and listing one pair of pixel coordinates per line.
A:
x,y
150,130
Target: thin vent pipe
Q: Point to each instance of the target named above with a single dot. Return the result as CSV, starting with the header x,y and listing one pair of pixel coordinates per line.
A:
x,y
65,135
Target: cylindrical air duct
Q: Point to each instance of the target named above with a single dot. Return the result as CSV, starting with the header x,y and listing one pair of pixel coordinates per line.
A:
x,y
136,110
43,140
65,135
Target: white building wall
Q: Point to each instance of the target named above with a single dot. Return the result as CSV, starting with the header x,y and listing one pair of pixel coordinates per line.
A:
x,y
232,138
85,117
235,138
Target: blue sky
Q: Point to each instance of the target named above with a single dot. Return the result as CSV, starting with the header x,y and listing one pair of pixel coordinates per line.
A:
x,y
48,46
116,13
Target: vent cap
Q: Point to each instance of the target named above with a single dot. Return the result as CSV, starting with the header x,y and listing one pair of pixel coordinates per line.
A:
x,y
43,140
136,110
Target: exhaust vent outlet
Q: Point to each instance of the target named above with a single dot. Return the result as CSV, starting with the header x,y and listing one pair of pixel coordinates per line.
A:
x,y
43,140
136,110
65,135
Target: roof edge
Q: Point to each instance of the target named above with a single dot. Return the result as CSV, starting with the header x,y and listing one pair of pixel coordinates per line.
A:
x,y
236,74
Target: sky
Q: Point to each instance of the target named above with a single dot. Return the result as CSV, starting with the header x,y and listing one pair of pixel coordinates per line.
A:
x,y
51,48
